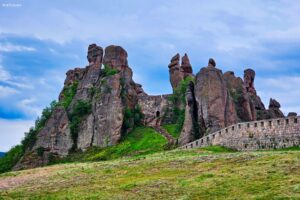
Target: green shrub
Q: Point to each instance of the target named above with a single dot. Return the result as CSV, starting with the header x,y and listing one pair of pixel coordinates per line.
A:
x,y
68,94
40,151
81,109
11,158
108,71
132,118
172,129
178,100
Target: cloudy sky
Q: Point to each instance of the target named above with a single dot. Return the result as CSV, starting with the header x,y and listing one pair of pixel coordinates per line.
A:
x,y
41,40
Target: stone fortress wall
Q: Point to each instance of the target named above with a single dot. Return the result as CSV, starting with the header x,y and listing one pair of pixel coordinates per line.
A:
x,y
254,135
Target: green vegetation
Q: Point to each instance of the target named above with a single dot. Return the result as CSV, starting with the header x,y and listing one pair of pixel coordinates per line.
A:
x,y
177,174
108,71
80,110
132,118
15,153
238,100
11,158
218,149
172,129
140,141
68,95
178,99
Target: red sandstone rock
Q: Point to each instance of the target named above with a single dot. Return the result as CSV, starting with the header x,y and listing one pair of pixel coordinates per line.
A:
x,y
115,57
186,66
95,54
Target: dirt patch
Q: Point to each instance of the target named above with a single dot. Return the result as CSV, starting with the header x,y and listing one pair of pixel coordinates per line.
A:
x,y
26,176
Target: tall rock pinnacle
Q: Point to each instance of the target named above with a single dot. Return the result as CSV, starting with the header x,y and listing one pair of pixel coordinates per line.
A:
x,y
95,54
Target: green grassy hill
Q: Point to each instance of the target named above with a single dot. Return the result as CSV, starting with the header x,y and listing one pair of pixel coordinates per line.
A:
x,y
211,173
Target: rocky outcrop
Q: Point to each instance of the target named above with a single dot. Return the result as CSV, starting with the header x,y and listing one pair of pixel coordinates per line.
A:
x,y
214,101
186,66
108,91
179,72
240,97
215,106
115,57
274,109
95,54
292,114
190,130
256,103
175,72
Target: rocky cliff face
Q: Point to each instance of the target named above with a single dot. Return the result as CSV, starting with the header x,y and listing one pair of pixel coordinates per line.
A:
x,y
100,103
106,86
215,105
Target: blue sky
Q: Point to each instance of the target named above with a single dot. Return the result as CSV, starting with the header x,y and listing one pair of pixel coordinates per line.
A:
x,y
41,40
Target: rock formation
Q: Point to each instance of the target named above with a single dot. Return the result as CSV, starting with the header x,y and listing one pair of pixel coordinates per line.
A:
x,y
179,72
274,109
95,54
215,106
95,101
190,130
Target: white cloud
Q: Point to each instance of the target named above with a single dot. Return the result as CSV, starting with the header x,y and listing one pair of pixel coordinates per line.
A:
x,y
11,132
284,89
6,91
4,75
8,47
28,107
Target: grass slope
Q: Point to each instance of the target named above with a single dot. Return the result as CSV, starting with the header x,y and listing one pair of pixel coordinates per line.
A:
x,y
213,173
139,142
172,129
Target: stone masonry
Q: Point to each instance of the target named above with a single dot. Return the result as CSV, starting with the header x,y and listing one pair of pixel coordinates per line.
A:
x,y
254,135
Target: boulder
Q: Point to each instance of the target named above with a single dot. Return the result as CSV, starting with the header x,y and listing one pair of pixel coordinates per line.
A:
x,y
274,104
115,57
292,114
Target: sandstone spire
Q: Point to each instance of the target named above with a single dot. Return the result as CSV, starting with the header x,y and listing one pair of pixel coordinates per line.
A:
x,y
95,54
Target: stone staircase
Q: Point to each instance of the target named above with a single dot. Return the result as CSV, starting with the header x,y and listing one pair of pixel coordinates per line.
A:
x,y
163,132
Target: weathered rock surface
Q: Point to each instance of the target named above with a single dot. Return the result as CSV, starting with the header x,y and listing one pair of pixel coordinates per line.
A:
x,y
186,66
190,130
155,109
115,57
179,72
215,105
240,97
274,109
95,54
256,103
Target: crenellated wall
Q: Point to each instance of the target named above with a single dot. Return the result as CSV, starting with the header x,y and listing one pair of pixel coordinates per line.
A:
x,y
254,135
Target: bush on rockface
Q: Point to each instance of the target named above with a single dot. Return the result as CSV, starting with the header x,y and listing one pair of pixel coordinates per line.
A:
x,y
80,110
108,71
132,118
68,94
178,100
